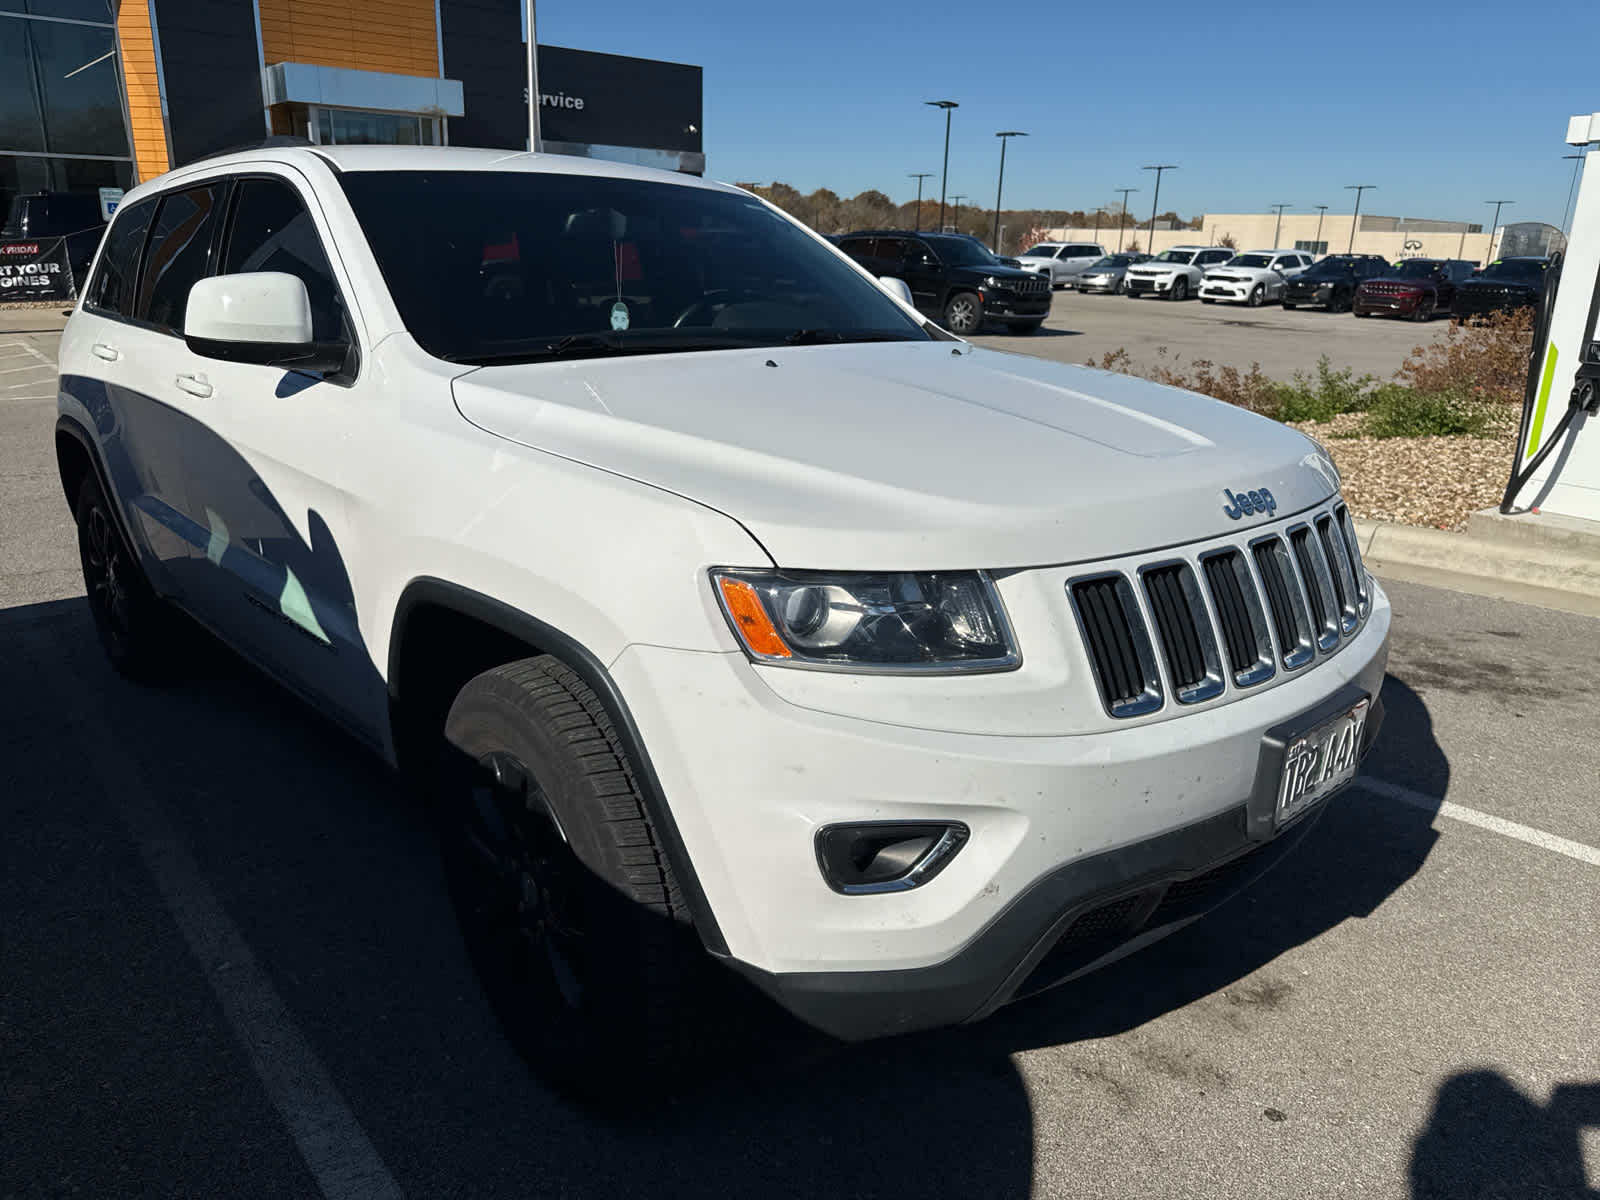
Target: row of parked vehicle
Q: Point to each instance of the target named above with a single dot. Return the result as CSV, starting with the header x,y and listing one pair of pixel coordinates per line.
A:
x,y
1366,284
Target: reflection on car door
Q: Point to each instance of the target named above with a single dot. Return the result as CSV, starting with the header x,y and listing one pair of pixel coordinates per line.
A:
x,y
276,577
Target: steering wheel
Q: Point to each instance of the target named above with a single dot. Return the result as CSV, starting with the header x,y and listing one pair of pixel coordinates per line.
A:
x,y
708,301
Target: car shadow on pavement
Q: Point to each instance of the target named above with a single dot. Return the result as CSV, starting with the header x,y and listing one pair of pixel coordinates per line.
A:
x,y
331,876
1487,1138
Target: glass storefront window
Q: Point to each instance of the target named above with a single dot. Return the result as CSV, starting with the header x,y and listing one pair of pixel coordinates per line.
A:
x,y
352,127
27,173
59,89
70,10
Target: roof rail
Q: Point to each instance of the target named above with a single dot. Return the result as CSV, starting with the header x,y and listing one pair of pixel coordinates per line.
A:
x,y
276,141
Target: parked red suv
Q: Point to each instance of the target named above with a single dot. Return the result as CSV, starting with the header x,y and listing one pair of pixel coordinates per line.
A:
x,y
1416,288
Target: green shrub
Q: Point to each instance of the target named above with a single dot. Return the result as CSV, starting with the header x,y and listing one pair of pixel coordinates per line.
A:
x,y
1325,397
1398,411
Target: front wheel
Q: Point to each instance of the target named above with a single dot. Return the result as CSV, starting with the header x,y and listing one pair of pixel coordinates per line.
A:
x,y
1180,289
568,907
963,314
136,628
1257,295
1423,310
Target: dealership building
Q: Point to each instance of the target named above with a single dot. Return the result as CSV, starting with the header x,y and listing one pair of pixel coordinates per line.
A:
x,y
108,93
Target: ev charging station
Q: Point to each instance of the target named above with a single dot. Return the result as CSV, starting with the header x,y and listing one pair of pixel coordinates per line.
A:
x,y
1557,470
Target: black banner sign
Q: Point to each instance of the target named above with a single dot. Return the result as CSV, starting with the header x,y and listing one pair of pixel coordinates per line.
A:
x,y
35,270
611,100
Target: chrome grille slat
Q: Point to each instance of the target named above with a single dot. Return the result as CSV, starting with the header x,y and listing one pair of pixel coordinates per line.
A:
x,y
1233,615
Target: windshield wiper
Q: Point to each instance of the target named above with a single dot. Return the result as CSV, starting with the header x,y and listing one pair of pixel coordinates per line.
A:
x,y
811,337
599,344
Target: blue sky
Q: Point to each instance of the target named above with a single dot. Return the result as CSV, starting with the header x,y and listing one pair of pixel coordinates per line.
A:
x,y
1442,106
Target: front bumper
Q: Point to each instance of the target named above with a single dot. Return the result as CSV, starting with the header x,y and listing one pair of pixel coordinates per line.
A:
x,y
1097,285
1004,305
1233,293
1398,305
1469,304
1061,827
1307,298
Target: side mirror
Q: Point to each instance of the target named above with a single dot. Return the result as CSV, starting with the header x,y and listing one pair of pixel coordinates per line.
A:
x,y
896,288
260,317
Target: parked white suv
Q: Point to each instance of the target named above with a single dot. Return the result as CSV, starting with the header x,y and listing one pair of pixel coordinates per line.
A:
x,y
1173,274
724,603
1062,261
1254,277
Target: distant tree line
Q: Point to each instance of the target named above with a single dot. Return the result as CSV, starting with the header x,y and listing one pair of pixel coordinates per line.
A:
x,y
827,212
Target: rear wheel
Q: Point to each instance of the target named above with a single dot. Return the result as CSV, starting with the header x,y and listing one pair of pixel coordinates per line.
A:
x,y
569,909
1180,289
137,629
964,313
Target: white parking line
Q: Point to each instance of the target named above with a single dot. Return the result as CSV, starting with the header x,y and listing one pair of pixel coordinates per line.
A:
x,y
1483,820
44,358
29,367
335,1148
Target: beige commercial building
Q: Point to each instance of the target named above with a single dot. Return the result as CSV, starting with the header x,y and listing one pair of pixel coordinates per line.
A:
x,y
1393,238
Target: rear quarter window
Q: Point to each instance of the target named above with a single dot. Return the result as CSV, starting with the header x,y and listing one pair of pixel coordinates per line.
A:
x,y
115,285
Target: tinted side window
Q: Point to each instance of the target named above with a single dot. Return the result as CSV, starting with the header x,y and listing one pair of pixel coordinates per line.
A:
x,y
891,250
857,247
116,283
272,230
180,246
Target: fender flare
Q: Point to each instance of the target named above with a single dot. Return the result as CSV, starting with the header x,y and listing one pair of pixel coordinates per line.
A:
x,y
518,624
74,429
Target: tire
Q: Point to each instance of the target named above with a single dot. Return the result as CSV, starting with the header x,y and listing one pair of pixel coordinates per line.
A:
x,y
964,313
1256,296
1424,310
567,904
1118,289
1342,303
1180,290
137,629
1024,327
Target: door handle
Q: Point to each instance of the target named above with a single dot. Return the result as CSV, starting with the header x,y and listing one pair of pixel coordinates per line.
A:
x,y
195,385
109,353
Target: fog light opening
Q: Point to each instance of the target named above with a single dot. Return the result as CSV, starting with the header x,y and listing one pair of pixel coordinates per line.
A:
x,y
886,856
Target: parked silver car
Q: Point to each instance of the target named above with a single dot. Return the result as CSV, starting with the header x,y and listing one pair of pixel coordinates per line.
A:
x,y
1062,261
1106,274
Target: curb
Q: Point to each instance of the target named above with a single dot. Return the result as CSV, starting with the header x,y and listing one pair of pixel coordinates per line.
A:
x,y
1521,557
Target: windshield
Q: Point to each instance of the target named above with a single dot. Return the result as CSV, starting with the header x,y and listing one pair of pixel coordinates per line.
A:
x,y
1040,252
1415,268
512,264
1249,260
1175,256
1515,270
1330,268
961,251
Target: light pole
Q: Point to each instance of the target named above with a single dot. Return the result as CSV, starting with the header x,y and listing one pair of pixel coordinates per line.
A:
x,y
955,214
944,175
1120,222
1493,225
1357,188
1004,136
1155,200
1321,211
1279,228
919,179
533,85
1575,168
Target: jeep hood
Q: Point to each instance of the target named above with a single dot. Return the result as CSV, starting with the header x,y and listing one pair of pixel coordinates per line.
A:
x,y
909,456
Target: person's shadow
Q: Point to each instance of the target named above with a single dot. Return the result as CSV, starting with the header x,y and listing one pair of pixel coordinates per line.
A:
x,y
1486,1140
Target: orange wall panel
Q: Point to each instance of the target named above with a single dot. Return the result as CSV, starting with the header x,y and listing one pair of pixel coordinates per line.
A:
x,y
396,36
144,91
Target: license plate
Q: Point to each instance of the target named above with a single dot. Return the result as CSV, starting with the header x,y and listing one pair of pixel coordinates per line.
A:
x,y
1321,761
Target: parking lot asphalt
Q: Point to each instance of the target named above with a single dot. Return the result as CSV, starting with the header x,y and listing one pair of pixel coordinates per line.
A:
x,y
227,965
1082,328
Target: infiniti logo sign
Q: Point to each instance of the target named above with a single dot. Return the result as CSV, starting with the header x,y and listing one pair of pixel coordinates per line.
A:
x,y
1258,501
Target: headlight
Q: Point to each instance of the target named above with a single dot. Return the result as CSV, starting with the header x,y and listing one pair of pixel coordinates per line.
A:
x,y
905,622
989,281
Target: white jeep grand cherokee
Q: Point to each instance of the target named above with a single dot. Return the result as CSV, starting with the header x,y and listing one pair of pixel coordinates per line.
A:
x,y
721,599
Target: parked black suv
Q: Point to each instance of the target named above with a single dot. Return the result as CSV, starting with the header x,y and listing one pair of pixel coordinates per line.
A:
x,y
954,279
1504,285
1332,282
36,216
